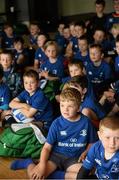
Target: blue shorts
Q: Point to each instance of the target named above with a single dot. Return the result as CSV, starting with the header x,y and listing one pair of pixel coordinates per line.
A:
x,y
62,162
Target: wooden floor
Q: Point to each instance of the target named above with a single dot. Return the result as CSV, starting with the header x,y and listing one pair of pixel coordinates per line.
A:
x,y
7,173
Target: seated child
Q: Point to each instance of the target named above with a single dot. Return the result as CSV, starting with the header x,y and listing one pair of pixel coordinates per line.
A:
x,y
83,53
89,106
98,72
40,55
104,154
8,36
31,39
75,68
68,140
10,76
20,53
4,97
31,104
53,67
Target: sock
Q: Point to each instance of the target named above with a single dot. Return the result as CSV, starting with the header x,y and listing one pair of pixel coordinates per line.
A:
x,y
21,164
57,175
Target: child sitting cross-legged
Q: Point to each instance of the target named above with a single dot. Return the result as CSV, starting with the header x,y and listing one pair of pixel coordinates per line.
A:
x,y
68,141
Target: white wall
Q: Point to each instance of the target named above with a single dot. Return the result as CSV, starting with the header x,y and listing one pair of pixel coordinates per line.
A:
x,y
73,7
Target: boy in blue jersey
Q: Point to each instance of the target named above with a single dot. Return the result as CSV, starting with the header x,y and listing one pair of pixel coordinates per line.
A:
x,y
32,102
83,53
104,154
113,17
89,106
40,55
68,140
98,72
4,97
21,54
8,36
10,76
53,66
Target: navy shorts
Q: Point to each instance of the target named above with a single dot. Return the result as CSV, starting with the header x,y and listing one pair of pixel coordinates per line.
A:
x,y
62,162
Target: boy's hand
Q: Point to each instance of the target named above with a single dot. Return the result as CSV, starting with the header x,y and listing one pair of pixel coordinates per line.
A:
x,y
44,74
82,156
38,172
109,95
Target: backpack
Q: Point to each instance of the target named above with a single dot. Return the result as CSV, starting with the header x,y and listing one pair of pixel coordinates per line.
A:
x,y
50,88
21,141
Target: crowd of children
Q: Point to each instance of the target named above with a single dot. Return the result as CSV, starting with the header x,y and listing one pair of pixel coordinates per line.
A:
x,y
68,85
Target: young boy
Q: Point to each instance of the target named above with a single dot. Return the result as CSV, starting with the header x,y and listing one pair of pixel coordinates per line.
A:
x,y
104,154
98,71
68,140
75,68
89,106
8,36
40,55
32,103
20,53
113,17
83,53
99,19
4,97
10,76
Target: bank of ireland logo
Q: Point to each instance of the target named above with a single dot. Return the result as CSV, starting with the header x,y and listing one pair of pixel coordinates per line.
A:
x,y
73,140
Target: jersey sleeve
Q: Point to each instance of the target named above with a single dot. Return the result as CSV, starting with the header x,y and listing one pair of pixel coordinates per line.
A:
x,y
52,134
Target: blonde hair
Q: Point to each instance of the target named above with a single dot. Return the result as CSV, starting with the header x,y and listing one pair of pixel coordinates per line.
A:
x,y
110,122
71,94
51,43
115,26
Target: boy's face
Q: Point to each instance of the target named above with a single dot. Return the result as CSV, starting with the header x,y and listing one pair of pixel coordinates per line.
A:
x,y
95,54
83,45
117,47
34,30
9,31
66,33
51,51
115,31
75,70
98,36
30,84
69,109
6,61
41,40
60,28
99,8
18,46
116,6
109,139
72,30
79,30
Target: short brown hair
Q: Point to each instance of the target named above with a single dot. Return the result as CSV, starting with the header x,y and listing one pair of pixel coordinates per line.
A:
x,y
111,122
31,73
71,94
77,63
